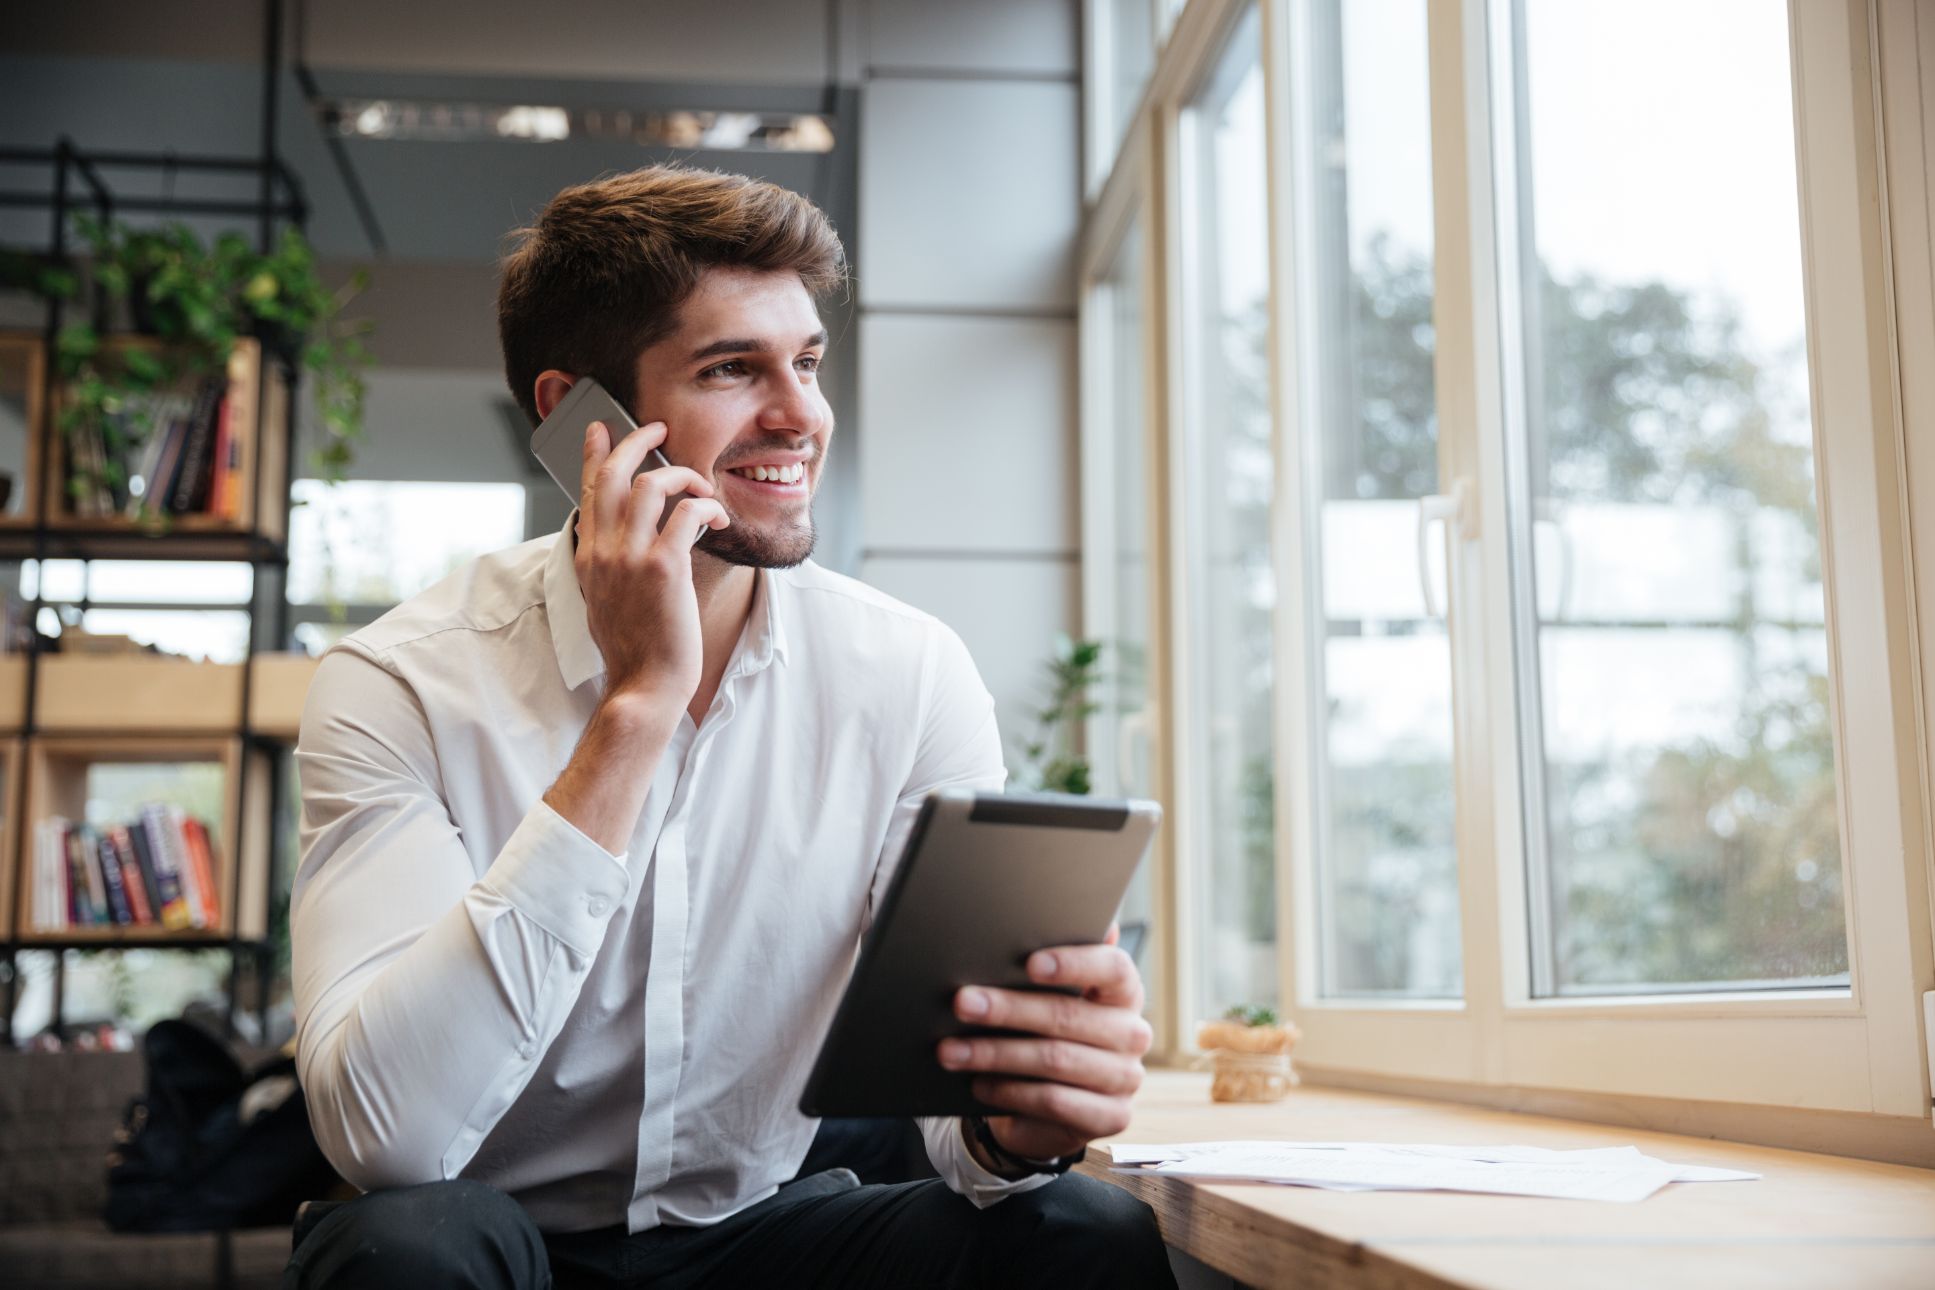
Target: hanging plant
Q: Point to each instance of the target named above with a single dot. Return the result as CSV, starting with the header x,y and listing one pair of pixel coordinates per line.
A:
x,y
198,300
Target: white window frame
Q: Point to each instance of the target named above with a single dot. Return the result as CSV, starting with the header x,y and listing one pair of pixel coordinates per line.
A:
x,y
1859,1051
1128,201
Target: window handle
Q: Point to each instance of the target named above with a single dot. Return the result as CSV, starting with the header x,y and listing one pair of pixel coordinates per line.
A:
x,y
1449,509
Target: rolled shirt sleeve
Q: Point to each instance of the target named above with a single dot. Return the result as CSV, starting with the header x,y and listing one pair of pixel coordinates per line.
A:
x,y
425,991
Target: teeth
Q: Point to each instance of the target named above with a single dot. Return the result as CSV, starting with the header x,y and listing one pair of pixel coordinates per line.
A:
x,y
775,474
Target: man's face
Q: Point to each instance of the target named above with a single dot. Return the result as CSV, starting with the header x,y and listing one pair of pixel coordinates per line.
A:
x,y
737,386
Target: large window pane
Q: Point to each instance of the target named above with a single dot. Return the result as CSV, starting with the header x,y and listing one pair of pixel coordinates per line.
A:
x,y
1672,653
1227,436
1386,861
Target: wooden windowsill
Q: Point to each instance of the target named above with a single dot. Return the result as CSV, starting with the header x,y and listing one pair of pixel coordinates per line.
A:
x,y
1810,1221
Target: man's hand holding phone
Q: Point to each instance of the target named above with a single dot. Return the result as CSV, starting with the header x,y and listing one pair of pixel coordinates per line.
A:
x,y
1071,1079
634,564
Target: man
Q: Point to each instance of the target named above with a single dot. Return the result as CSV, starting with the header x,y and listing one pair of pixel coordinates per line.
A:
x,y
592,829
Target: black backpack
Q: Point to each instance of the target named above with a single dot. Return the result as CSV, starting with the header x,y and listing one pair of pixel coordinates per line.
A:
x,y
209,1147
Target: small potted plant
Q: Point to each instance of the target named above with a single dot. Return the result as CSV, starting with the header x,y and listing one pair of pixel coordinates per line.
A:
x,y
1249,1053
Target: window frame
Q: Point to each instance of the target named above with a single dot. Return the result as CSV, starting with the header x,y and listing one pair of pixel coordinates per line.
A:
x,y
1861,1050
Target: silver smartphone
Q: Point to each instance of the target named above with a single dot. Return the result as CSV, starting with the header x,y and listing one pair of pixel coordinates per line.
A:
x,y
559,443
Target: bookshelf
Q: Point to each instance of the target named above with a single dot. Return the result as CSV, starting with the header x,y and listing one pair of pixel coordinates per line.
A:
x,y
73,722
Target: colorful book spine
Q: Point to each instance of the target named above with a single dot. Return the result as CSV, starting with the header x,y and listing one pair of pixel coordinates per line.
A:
x,y
132,880
201,852
184,860
197,455
81,860
175,913
102,852
223,475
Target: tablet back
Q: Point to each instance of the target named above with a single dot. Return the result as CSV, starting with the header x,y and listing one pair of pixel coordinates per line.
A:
x,y
986,880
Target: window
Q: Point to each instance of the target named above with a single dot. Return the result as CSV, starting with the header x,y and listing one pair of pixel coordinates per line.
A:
x,y
360,546
1228,477
1377,656
1671,653
1533,618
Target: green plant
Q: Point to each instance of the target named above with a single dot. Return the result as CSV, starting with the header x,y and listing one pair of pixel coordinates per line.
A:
x,y
1050,756
198,300
1252,1014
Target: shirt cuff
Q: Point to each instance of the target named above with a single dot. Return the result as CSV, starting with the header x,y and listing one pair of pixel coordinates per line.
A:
x,y
967,1176
560,879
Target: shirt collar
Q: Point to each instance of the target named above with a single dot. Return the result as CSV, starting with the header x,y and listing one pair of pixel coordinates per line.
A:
x,y
763,641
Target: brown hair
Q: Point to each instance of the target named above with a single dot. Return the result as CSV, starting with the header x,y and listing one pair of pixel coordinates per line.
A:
x,y
602,273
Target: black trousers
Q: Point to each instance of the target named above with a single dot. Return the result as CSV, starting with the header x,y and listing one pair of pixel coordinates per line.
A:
x,y
822,1230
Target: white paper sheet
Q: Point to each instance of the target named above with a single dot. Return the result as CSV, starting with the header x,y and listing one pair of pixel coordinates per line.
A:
x,y
1623,1174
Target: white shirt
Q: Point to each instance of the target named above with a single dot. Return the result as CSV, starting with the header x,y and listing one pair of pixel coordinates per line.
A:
x,y
483,991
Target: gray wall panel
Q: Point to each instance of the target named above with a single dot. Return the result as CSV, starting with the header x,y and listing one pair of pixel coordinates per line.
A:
x,y
1026,37
969,195
972,437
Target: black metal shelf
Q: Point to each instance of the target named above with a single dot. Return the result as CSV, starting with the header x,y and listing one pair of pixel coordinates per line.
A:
x,y
133,543
279,197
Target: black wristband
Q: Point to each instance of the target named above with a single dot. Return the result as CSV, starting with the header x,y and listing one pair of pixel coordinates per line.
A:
x,y
1006,1159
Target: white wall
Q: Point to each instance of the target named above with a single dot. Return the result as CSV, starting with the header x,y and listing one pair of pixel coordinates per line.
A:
x,y
968,209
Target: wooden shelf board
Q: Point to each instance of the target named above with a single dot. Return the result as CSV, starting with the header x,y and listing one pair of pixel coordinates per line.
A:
x,y
137,693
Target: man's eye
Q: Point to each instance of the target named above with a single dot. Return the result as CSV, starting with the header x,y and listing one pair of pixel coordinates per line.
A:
x,y
808,362
731,367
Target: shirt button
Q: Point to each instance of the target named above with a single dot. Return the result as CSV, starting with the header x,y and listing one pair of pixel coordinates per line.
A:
x,y
598,906
527,1050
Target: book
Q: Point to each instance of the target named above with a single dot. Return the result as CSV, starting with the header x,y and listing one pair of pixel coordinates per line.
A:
x,y
133,881
50,887
102,850
184,858
161,485
144,860
192,480
164,855
91,903
222,471
201,853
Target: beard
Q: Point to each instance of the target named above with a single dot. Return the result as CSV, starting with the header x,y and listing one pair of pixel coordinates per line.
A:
x,y
777,546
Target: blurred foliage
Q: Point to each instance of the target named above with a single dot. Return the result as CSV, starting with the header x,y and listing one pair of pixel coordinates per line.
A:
x,y
198,300
1051,759
1252,1014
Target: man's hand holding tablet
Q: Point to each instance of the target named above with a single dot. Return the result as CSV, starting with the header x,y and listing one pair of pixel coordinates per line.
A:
x,y
1080,1063
990,985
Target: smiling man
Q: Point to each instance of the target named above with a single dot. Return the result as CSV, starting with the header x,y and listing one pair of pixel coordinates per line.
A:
x,y
592,830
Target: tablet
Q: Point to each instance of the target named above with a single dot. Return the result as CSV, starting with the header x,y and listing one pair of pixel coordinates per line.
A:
x,y
986,880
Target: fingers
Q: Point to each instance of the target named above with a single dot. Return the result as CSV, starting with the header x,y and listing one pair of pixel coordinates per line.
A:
x,y
1056,1016
1114,1073
1103,973
608,471
687,524
650,505
1084,1114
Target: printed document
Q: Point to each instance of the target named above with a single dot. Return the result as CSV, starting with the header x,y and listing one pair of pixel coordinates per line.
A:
x,y
1599,1173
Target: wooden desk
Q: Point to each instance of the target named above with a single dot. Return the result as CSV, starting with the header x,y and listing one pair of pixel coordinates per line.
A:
x,y
1812,1222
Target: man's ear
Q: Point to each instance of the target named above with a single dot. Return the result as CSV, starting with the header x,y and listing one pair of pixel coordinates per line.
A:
x,y
552,386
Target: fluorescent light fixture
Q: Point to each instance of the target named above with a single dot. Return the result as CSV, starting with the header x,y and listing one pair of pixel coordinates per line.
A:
x,y
459,122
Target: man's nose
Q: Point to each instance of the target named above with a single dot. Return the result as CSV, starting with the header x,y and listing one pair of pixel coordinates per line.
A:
x,y
793,407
